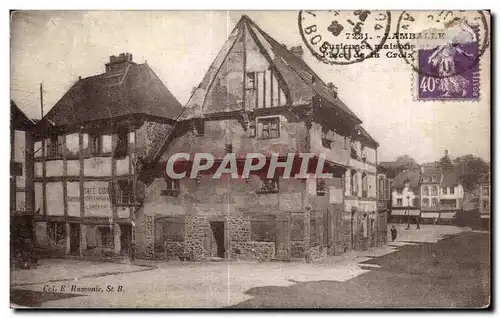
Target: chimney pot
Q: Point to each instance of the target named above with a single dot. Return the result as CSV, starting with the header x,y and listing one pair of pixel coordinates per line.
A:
x,y
334,89
297,51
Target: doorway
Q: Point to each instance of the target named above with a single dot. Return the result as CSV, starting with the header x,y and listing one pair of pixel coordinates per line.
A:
x,y
218,234
125,238
74,238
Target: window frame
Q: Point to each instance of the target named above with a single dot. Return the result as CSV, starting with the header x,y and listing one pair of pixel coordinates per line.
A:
x,y
434,190
121,194
320,187
53,148
487,203
425,191
268,185
92,138
122,139
266,124
16,169
485,189
172,187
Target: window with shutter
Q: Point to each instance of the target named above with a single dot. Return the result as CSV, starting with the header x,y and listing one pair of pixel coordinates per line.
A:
x,y
172,187
124,192
121,144
269,186
54,147
16,169
387,189
268,127
95,144
320,187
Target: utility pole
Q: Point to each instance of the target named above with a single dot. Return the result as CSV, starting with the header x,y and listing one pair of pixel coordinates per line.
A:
x,y
41,97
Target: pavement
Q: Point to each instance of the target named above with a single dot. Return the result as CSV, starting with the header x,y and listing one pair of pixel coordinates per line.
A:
x,y
202,284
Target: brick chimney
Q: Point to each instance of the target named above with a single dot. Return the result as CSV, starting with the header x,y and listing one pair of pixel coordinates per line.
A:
x,y
333,89
297,51
118,63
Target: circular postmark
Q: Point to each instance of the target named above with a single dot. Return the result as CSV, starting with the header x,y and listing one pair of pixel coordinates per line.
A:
x,y
442,44
344,37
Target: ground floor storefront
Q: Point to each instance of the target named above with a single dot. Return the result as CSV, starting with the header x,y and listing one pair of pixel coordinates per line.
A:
x,y
407,269
311,235
96,237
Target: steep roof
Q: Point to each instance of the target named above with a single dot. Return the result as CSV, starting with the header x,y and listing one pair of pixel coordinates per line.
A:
x,y
18,119
413,176
365,137
450,178
484,178
299,82
431,169
135,90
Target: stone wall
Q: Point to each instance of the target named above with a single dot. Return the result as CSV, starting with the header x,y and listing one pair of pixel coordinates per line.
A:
x,y
174,249
150,236
317,252
263,251
297,249
239,228
195,235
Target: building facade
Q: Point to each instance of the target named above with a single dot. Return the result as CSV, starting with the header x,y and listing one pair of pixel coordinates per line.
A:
x,y
406,197
87,149
485,200
430,189
21,179
260,97
442,194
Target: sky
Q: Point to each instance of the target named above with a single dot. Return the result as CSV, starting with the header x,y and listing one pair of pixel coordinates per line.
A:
x,y
56,47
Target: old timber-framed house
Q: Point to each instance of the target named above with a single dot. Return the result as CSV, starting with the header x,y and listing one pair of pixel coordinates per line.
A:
x,y
86,152
258,96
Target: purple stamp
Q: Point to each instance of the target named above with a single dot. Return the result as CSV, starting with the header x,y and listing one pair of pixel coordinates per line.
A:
x,y
446,52
449,71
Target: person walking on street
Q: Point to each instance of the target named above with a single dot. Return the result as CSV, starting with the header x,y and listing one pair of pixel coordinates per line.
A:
x,y
418,223
394,233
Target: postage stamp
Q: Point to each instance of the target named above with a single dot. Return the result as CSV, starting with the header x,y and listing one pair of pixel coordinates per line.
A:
x,y
447,47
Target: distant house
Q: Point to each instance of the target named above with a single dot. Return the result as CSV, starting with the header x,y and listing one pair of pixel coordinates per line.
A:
x,y
406,196
442,195
485,199
451,196
432,176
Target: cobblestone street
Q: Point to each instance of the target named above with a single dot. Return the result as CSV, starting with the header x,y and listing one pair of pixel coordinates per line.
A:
x,y
206,284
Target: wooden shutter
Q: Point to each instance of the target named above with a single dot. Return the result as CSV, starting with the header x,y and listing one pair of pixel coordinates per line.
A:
x,y
60,144
111,190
